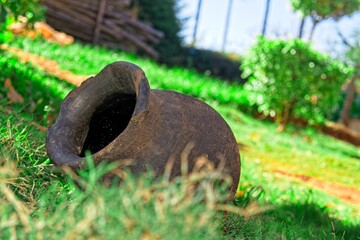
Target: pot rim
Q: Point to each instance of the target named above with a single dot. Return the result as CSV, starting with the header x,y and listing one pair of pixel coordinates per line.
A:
x,y
67,135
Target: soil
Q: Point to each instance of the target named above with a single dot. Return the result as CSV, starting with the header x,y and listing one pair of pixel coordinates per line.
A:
x,y
347,194
341,132
332,129
50,66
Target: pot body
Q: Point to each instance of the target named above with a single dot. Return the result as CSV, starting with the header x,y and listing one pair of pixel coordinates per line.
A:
x,y
117,117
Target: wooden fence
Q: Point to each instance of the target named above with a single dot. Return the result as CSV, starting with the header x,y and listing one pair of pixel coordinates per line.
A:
x,y
105,22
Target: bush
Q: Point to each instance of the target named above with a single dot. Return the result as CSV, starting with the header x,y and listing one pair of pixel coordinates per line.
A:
x,y
14,8
214,64
288,79
10,10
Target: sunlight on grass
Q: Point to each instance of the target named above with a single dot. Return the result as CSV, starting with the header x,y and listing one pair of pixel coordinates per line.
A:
x,y
78,59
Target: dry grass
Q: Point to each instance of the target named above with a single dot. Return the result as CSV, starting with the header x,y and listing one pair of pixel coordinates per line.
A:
x,y
133,207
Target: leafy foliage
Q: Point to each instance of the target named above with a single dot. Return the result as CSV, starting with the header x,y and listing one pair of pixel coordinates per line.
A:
x,y
289,79
10,10
323,9
30,9
320,10
5,35
353,55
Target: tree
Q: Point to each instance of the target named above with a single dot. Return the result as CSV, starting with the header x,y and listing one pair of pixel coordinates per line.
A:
x,y
301,28
320,10
196,21
162,14
10,10
268,3
353,56
227,23
288,79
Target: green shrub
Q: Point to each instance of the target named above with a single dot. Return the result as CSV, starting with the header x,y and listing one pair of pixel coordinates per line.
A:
x,y
214,64
288,79
30,9
10,10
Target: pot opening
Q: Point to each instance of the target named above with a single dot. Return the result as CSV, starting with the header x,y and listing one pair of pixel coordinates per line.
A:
x,y
108,121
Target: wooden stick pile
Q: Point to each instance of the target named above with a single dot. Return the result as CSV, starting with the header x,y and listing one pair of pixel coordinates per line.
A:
x,y
105,22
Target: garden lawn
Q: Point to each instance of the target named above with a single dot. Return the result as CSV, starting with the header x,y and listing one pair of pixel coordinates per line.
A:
x,y
307,178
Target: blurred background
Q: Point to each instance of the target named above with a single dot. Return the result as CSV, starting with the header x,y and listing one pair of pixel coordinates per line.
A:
x,y
246,22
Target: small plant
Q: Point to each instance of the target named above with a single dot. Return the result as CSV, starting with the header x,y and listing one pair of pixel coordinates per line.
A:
x,y
288,79
10,10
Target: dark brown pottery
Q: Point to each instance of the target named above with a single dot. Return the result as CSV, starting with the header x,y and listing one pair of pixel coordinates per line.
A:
x,y
117,117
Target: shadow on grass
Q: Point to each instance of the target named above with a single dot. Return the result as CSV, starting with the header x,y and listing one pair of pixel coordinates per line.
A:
x,y
298,221
42,92
23,125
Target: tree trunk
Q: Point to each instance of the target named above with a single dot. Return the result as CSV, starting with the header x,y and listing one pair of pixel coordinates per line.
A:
x,y
301,29
196,22
345,113
227,23
268,2
286,115
315,23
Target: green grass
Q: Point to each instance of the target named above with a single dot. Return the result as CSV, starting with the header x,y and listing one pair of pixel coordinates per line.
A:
x,y
89,60
56,207
300,151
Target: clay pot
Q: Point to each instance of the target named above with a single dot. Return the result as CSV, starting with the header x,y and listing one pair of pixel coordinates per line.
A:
x,y
117,117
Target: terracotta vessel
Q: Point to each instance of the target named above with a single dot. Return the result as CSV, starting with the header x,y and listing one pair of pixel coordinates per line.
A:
x,y
117,117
